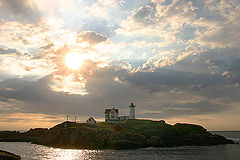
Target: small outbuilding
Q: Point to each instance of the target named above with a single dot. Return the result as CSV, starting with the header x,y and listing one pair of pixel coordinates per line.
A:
x,y
91,120
118,127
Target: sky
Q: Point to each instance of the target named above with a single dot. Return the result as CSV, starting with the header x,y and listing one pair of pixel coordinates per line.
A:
x,y
177,60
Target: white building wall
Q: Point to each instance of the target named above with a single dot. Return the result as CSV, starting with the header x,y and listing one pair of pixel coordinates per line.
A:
x,y
113,115
90,121
132,112
123,118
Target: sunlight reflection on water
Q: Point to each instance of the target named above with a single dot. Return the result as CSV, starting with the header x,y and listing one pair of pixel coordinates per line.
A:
x,y
70,154
30,151
65,154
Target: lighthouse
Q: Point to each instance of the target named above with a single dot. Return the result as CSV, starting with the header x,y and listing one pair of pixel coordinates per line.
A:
x,y
132,111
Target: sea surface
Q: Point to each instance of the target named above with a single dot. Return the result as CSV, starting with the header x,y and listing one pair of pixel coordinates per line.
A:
x,y
30,151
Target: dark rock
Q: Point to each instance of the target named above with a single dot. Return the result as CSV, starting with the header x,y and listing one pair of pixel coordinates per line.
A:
x,y
4,155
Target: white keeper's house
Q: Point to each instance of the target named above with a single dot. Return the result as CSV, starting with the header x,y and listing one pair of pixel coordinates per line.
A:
x,y
111,115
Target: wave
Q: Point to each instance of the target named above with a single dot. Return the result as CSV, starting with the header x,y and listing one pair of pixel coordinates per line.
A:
x,y
234,139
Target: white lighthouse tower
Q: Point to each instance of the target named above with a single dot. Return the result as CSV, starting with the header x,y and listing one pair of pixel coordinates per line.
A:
x,y
132,111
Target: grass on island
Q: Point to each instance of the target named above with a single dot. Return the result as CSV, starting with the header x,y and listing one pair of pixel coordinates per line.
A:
x,y
140,126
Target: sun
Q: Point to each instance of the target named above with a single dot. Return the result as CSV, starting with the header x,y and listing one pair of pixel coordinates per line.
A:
x,y
74,60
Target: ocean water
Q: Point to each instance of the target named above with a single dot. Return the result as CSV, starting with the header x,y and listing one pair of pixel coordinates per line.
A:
x,y
30,151
233,135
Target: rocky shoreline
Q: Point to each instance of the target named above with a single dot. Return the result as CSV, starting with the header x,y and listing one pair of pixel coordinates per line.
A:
x,y
134,134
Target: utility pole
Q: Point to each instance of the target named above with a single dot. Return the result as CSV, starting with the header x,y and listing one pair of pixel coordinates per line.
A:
x,y
75,119
67,117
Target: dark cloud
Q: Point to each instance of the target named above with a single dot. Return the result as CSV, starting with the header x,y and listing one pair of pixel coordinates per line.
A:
x,y
151,92
5,50
37,97
2,99
20,10
186,109
90,37
158,94
162,79
213,74
48,46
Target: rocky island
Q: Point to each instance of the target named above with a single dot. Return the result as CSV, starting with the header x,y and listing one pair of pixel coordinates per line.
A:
x,y
130,135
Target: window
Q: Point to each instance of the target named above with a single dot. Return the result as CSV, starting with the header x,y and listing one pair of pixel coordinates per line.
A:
x,y
113,112
112,117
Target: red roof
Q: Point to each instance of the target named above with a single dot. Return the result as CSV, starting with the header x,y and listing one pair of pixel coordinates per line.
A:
x,y
118,127
108,110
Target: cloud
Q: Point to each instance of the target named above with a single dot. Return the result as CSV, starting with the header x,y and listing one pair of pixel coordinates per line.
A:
x,y
166,80
61,69
37,96
5,50
206,24
140,19
159,14
173,58
173,10
69,80
194,94
163,22
17,64
13,121
143,16
21,10
164,93
18,35
101,8
223,26
1,21
91,37
3,99
167,58
186,109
